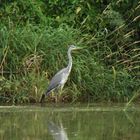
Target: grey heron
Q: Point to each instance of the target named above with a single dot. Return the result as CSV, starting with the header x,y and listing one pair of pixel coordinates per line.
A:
x,y
61,77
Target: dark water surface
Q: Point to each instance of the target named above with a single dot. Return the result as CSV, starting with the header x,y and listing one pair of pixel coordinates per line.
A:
x,y
61,122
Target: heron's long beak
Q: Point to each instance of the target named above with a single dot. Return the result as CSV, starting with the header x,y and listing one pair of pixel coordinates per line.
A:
x,y
78,48
75,50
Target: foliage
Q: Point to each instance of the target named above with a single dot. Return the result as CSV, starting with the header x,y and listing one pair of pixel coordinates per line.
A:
x,y
34,40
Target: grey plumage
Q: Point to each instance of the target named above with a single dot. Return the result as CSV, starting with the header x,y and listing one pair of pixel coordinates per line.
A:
x,y
56,81
60,77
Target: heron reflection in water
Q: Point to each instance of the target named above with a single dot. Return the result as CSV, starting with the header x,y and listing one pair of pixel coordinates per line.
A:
x,y
57,131
61,77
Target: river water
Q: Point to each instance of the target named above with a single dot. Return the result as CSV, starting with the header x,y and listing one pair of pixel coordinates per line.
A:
x,y
65,122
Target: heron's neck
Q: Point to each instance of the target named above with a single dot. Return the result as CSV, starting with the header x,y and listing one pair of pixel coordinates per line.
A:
x,y
70,60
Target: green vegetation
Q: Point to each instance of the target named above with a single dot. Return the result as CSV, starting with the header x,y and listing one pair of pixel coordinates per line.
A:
x,y
34,36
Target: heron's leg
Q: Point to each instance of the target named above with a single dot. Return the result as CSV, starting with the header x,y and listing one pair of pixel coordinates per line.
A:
x,y
56,94
61,90
56,99
60,93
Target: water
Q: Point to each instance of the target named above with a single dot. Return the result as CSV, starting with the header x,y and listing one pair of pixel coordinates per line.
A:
x,y
93,122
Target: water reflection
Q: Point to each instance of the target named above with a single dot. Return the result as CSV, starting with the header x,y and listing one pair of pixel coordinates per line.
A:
x,y
66,123
57,131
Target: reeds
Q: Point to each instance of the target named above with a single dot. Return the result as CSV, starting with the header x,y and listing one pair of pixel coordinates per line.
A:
x,y
32,51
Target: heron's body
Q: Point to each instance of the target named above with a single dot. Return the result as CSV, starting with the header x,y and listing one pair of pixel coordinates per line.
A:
x,y
58,80
61,77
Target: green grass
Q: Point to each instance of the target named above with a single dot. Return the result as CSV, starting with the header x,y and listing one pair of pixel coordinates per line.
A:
x,y
33,50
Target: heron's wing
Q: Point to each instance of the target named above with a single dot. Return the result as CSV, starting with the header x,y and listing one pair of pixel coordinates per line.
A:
x,y
56,80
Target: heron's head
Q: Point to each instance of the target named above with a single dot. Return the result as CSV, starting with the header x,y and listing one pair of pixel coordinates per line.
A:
x,y
73,47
